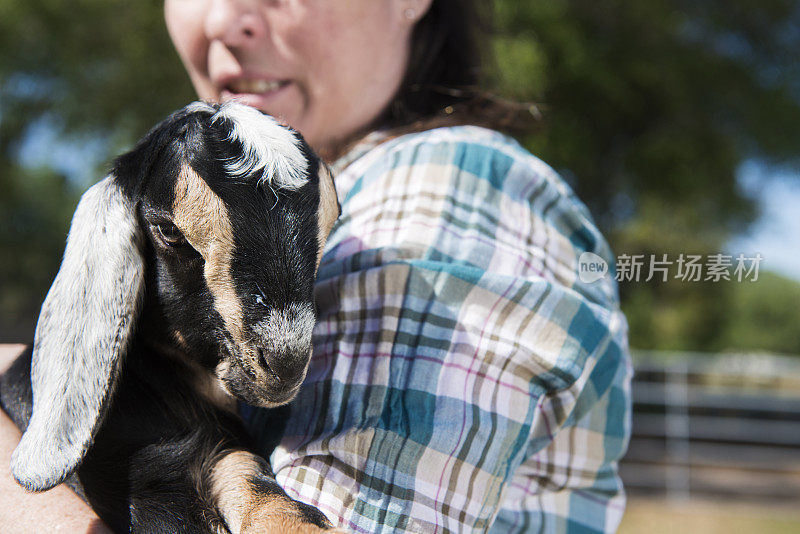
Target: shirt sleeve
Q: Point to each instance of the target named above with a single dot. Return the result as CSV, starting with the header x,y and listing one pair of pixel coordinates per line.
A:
x,y
463,375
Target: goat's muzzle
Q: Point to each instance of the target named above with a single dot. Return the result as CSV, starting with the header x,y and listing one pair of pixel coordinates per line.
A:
x,y
269,369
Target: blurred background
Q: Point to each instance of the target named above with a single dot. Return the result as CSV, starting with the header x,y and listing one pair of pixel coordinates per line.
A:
x,y
676,121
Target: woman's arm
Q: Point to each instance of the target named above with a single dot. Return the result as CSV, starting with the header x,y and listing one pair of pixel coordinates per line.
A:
x,y
57,510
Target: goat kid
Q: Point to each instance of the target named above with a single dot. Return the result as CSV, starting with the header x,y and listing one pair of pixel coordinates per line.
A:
x,y
186,284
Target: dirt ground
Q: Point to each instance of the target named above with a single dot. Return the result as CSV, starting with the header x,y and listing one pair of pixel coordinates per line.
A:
x,y
704,517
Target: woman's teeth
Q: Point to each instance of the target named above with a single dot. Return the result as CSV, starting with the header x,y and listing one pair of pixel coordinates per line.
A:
x,y
254,86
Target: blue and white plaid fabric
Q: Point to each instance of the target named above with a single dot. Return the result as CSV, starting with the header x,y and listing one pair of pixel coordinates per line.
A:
x,y
464,379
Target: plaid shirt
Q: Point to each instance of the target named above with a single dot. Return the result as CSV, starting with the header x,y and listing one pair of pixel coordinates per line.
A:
x,y
464,379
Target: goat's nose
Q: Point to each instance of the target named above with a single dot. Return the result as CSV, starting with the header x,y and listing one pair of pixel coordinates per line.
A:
x,y
264,362
284,339
286,367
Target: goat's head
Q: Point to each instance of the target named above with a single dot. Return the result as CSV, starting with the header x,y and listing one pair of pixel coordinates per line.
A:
x,y
236,209
223,214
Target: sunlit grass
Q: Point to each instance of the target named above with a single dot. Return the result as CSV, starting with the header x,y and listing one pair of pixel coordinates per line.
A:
x,y
702,517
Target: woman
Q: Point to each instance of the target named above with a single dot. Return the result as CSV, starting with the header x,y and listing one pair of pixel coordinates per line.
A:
x,y
464,378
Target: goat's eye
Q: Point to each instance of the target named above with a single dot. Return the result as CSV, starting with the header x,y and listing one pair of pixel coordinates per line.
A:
x,y
170,234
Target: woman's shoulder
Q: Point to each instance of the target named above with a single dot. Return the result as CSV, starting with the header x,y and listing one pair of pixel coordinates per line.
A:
x,y
435,145
473,151
483,184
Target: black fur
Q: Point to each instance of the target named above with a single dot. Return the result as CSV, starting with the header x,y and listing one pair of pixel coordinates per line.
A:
x,y
148,468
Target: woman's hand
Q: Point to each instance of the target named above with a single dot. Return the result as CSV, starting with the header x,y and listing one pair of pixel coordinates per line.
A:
x,y
56,510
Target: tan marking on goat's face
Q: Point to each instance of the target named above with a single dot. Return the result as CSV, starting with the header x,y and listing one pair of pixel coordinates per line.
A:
x,y
328,210
243,507
201,215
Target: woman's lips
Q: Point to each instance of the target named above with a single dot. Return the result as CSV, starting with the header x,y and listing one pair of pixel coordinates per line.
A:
x,y
266,95
254,86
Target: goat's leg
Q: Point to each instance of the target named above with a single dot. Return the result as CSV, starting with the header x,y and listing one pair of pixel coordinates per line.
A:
x,y
251,501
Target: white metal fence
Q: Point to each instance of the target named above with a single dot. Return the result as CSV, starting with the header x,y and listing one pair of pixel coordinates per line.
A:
x,y
720,426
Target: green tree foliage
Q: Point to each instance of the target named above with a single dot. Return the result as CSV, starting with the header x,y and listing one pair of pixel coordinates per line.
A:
x,y
658,100
649,108
763,316
87,69
98,66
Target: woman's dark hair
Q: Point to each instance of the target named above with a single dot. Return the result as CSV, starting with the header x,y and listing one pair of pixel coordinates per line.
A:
x,y
445,70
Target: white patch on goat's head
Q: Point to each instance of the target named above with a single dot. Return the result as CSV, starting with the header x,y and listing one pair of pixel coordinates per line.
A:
x,y
200,214
200,107
268,147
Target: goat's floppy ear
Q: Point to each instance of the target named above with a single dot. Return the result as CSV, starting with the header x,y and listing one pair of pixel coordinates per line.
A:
x,y
84,328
